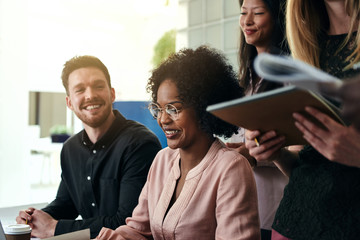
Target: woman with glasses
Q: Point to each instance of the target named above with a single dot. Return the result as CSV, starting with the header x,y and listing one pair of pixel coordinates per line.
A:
x,y
196,188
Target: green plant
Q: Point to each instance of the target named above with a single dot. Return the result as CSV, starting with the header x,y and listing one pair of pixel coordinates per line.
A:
x,y
60,129
164,47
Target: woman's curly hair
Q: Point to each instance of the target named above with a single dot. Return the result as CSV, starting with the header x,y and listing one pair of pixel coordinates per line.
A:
x,y
203,77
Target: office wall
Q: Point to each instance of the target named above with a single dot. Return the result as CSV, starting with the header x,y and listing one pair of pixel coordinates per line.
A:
x,y
211,22
38,36
47,109
13,102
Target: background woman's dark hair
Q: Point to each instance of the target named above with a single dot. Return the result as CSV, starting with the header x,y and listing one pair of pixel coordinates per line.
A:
x,y
203,77
248,52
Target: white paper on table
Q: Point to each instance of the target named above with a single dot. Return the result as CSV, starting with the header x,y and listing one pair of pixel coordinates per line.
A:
x,y
77,235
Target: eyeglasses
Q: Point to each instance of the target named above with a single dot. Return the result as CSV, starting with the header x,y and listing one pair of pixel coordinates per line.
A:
x,y
170,110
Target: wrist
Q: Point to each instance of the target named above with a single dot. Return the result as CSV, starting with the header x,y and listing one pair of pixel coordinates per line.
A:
x,y
286,161
283,152
52,227
276,156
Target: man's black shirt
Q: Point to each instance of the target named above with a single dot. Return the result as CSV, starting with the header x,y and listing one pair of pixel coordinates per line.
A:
x,y
102,181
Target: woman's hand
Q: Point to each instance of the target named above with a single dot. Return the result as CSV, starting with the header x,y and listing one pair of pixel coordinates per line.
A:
x,y
267,147
270,147
337,143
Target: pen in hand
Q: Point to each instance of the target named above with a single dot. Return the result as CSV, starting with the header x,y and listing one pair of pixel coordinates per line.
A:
x,y
257,142
27,221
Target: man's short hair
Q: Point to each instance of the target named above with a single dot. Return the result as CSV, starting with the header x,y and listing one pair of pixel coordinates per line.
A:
x,y
82,62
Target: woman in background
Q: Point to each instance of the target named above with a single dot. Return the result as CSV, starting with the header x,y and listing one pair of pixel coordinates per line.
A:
x,y
196,187
322,199
262,30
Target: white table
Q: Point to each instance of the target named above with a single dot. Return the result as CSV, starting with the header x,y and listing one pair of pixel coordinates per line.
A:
x,y
9,214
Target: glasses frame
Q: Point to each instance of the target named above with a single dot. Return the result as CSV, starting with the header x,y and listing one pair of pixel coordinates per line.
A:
x,y
176,117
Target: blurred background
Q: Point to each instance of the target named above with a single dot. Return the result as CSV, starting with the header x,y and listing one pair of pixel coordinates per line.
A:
x,y
129,36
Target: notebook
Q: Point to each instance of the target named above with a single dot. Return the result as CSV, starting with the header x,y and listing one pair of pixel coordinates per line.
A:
x,y
272,110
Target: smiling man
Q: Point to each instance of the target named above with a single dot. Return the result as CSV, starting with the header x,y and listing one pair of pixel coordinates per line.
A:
x,y
104,166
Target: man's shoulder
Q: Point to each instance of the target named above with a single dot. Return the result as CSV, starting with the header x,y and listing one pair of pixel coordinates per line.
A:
x,y
74,140
135,131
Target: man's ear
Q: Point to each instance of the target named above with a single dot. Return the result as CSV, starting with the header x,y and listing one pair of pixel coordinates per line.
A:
x,y
112,94
68,102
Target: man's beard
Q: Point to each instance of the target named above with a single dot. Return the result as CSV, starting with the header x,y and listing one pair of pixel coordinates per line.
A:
x,y
95,121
